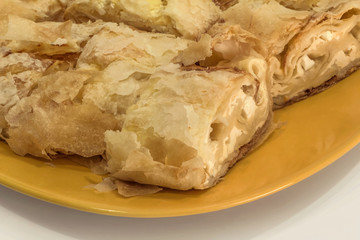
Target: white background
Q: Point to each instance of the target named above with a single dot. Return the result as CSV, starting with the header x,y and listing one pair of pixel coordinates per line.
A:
x,y
324,206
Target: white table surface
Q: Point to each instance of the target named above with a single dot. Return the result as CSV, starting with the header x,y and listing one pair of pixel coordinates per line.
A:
x,y
324,206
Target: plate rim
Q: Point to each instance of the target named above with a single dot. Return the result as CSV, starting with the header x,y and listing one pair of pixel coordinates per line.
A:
x,y
290,181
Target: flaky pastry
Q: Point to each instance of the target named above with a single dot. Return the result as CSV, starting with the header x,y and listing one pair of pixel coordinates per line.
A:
x,y
167,93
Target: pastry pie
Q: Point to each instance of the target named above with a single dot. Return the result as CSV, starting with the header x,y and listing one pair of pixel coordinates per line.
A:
x,y
168,93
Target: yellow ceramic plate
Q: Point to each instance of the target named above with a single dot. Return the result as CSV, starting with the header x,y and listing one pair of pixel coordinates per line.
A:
x,y
317,132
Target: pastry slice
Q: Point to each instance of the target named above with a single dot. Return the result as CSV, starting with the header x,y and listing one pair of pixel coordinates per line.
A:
x,y
308,45
326,51
192,123
189,19
189,127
